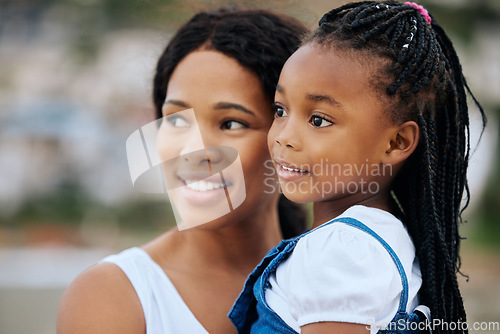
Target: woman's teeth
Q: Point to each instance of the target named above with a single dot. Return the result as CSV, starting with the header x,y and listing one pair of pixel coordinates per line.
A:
x,y
204,186
294,169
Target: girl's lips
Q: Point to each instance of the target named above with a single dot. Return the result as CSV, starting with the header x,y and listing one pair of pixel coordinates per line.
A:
x,y
289,172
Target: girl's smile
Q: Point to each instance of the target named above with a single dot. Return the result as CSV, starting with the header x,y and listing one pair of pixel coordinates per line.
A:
x,y
288,171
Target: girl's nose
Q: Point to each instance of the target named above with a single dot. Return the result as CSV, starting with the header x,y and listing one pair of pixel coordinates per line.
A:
x,y
284,142
288,136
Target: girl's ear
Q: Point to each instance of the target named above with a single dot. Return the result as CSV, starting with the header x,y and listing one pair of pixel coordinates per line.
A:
x,y
402,144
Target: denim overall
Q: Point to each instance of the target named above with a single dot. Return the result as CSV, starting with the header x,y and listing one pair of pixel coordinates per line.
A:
x,y
251,314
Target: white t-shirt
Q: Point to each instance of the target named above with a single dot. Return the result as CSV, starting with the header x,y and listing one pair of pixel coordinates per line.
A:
x,y
340,273
164,310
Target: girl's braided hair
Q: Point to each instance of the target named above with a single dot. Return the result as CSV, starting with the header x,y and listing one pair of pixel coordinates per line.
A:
x,y
421,76
261,41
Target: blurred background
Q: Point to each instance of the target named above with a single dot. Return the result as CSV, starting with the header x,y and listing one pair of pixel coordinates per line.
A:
x,y
75,81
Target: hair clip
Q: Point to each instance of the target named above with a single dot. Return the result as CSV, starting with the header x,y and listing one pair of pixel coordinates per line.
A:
x,y
413,30
421,9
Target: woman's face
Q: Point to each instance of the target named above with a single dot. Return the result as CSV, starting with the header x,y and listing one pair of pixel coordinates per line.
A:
x,y
213,141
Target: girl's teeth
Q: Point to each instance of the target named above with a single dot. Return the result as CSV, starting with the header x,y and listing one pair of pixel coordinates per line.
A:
x,y
203,185
294,169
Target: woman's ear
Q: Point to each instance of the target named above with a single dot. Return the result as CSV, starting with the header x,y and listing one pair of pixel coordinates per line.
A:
x,y
403,142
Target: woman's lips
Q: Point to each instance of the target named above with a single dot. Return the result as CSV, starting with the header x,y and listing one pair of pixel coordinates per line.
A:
x,y
203,185
289,172
198,189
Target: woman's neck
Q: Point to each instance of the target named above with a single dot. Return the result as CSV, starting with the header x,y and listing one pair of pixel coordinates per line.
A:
x,y
235,247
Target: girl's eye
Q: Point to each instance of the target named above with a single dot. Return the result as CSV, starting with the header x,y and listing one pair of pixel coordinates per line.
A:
x,y
233,125
320,122
279,111
177,121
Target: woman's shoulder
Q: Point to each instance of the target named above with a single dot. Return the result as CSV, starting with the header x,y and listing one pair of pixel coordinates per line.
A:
x,y
100,300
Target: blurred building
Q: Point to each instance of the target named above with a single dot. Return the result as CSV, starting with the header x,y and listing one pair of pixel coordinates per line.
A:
x,y
67,109
72,88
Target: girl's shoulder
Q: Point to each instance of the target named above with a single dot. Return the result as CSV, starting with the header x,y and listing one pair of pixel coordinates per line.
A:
x,y
340,244
100,300
346,256
339,272
359,229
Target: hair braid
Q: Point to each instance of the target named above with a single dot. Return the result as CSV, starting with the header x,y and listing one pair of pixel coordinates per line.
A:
x,y
423,82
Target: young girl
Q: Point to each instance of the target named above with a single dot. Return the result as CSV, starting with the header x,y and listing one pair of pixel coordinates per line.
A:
x,y
225,65
371,124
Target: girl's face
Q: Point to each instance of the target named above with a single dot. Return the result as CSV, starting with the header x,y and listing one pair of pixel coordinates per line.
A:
x,y
330,131
230,116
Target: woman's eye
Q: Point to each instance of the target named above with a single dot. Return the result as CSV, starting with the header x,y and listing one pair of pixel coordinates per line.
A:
x,y
233,125
177,121
279,111
320,122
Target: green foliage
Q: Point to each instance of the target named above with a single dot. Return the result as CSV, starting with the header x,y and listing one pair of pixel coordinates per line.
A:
x,y
64,205
70,205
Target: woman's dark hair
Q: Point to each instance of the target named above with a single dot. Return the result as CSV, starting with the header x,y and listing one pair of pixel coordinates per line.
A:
x,y
421,77
260,41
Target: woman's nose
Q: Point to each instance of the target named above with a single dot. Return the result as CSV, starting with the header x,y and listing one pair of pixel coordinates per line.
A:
x,y
215,154
200,147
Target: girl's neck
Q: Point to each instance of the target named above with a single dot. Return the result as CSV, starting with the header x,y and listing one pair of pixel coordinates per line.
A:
x,y
235,248
328,210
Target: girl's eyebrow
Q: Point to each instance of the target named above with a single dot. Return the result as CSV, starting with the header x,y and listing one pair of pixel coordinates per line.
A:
x,y
324,98
317,98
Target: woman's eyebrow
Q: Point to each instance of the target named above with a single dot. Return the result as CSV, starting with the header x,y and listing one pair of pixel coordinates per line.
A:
x,y
229,105
177,103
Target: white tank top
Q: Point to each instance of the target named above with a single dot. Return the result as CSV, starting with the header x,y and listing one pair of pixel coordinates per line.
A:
x,y
164,310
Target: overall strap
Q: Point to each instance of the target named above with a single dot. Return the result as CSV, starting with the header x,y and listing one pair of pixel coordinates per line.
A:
x,y
404,280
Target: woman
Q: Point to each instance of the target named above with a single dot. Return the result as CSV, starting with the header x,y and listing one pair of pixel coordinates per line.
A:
x,y
224,65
